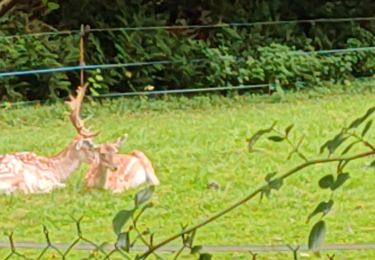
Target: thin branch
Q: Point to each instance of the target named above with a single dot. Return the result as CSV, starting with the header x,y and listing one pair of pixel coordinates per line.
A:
x,y
252,195
179,252
135,220
294,147
139,233
365,143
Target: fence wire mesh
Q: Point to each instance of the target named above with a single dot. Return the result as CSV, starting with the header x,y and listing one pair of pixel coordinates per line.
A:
x,y
105,250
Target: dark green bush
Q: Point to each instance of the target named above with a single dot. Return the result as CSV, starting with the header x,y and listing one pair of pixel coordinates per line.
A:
x,y
200,57
23,53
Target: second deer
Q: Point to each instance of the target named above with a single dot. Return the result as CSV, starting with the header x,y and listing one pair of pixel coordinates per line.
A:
x,y
132,170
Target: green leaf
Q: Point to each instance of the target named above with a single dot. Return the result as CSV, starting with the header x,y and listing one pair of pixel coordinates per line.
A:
x,y
252,140
123,241
356,123
97,86
232,33
163,46
94,92
276,138
265,191
317,235
269,176
327,181
288,129
99,78
349,147
360,120
143,196
120,220
333,144
276,184
324,146
336,142
205,256
367,127
53,6
372,165
323,207
341,179
195,249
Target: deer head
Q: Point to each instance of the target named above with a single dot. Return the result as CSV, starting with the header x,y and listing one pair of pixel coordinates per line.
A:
x,y
84,147
108,151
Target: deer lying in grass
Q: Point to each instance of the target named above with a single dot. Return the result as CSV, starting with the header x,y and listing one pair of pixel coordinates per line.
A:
x,y
28,172
132,170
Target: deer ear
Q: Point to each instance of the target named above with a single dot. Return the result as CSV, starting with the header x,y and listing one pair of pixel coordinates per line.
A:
x,y
121,140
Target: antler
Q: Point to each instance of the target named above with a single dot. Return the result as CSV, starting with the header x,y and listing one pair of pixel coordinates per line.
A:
x,y
75,105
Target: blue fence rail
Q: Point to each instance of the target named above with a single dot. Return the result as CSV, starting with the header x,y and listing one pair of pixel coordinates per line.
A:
x,y
161,62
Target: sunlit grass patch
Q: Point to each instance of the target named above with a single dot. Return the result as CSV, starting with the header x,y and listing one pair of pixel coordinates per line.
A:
x,y
191,143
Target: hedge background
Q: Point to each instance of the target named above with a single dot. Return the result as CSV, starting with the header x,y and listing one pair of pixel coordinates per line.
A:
x,y
232,55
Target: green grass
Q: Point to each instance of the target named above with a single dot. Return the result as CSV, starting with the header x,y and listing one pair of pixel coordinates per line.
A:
x,y
191,142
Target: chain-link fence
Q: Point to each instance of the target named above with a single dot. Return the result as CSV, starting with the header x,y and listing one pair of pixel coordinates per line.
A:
x,y
90,249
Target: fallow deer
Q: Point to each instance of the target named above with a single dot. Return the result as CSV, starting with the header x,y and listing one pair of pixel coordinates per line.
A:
x,y
133,169
28,172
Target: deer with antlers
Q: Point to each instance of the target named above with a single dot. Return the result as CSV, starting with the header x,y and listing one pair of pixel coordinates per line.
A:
x,y
28,172
131,170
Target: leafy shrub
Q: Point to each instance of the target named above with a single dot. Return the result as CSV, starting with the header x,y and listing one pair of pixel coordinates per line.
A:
x,y
24,53
200,57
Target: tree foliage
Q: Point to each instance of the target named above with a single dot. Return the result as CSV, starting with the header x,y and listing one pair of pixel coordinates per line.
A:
x,y
202,57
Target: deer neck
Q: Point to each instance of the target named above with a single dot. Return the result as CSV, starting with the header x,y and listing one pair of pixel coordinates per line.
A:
x,y
98,175
102,175
66,162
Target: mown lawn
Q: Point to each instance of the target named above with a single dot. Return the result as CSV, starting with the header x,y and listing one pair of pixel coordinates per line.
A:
x,y
193,142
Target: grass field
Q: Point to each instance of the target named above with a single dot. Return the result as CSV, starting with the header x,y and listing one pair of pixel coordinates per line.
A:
x,y
193,142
